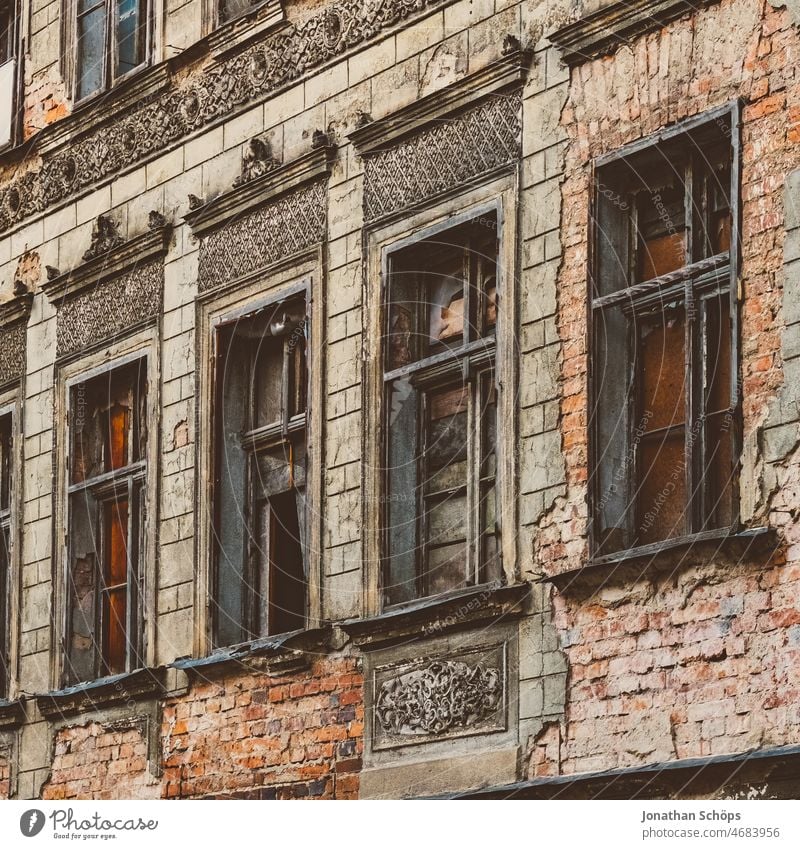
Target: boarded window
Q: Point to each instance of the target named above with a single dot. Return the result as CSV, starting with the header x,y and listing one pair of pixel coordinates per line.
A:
x,y
111,42
107,473
6,472
259,585
440,519
664,421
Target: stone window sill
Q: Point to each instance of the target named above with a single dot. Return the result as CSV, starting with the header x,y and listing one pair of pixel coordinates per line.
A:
x,y
735,539
440,614
12,714
128,686
276,654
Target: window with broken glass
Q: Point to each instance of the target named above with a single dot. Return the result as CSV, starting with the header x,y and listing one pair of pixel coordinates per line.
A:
x,y
259,583
664,351
106,527
6,489
440,529
110,42
9,72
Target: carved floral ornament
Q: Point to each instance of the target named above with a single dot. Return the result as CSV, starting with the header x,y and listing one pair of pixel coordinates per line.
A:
x,y
444,696
281,57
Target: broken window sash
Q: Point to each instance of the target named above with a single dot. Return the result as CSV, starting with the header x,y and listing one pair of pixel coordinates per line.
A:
x,y
260,567
439,513
106,523
664,329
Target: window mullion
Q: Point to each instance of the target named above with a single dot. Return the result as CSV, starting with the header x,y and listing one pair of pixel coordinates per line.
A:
x,y
473,477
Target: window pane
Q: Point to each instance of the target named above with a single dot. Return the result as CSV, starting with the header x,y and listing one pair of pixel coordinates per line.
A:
x,y
5,461
116,535
489,550
131,34
401,492
661,460
229,9
115,641
83,589
91,51
5,612
268,381
718,472
6,33
446,512
108,422
661,223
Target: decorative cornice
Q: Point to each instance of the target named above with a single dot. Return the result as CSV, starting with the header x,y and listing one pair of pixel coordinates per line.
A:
x,y
16,309
438,615
113,263
273,655
248,196
603,31
505,73
282,57
139,684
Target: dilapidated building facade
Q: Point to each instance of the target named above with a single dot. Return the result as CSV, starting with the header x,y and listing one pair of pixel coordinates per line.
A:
x,y
399,398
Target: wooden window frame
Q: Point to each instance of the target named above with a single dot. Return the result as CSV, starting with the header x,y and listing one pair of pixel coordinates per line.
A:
x,y
9,526
16,55
254,442
74,371
497,196
697,279
110,48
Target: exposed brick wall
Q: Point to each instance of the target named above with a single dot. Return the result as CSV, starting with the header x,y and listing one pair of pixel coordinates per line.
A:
x,y
5,774
701,657
95,761
293,736
45,102
246,736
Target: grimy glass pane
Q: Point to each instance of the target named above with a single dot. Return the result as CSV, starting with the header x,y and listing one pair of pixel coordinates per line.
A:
x,y
115,640
400,507
130,35
718,465
6,464
443,281
5,561
614,466
83,648
116,535
661,222
661,457
91,51
231,8
287,586
447,568
6,33
268,380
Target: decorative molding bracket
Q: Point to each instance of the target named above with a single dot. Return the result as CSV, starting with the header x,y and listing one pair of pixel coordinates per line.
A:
x,y
603,31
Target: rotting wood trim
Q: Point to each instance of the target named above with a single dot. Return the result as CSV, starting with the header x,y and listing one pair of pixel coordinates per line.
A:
x,y
602,32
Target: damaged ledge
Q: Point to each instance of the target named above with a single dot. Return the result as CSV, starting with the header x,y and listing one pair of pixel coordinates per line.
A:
x,y
602,32
16,309
430,617
12,714
278,654
113,263
510,71
140,684
686,778
742,541
280,180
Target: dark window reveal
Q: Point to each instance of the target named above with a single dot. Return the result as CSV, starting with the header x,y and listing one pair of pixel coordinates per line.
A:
x,y
108,428
111,42
664,341
440,524
260,517
6,475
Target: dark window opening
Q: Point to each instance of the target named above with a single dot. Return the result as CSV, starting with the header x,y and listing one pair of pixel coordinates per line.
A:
x,y
111,42
441,530
664,419
230,9
6,486
108,426
259,585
